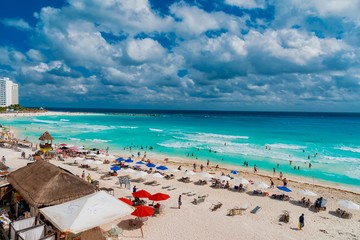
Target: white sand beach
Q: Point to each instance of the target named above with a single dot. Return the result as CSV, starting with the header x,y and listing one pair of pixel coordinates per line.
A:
x,y
199,222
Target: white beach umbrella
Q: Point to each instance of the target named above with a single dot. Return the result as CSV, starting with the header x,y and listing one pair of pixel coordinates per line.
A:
x,y
260,185
224,178
91,155
87,161
242,181
348,204
207,175
128,170
189,173
307,192
101,156
174,170
141,174
156,175
78,159
97,162
110,157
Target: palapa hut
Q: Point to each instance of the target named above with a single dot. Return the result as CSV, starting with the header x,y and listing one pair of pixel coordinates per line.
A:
x,y
43,184
46,142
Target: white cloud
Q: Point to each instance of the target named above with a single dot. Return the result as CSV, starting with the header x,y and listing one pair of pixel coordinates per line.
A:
x,y
247,4
145,50
16,23
193,20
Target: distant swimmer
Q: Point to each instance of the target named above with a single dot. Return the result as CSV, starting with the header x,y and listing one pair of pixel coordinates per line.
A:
x,y
290,162
308,156
298,167
224,144
309,165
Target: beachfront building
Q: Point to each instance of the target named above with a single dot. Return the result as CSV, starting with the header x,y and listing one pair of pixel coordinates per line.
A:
x,y
9,92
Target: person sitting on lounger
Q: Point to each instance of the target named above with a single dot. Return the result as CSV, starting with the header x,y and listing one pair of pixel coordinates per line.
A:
x,y
303,201
227,185
308,203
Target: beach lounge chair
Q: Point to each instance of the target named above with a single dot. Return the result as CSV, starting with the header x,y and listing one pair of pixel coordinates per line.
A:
x,y
192,193
234,211
215,206
165,187
197,201
257,208
285,217
150,182
171,188
343,214
115,231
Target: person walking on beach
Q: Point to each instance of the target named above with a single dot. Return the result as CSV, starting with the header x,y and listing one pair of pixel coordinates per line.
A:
x,y
255,169
179,201
274,171
207,163
3,159
83,175
301,221
272,183
281,175
134,189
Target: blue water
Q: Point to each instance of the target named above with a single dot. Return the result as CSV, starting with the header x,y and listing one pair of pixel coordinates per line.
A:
x,y
233,137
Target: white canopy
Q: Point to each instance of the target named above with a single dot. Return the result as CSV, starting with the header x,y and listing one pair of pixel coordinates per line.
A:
x,y
87,212
261,185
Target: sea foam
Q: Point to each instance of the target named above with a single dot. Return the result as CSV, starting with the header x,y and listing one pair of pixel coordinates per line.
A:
x,y
350,149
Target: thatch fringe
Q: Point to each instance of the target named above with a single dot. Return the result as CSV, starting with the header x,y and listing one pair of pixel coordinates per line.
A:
x,y
44,184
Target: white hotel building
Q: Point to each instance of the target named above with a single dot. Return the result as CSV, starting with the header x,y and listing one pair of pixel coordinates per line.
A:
x,y
9,92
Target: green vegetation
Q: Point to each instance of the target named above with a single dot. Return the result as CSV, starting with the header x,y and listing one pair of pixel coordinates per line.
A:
x,y
18,108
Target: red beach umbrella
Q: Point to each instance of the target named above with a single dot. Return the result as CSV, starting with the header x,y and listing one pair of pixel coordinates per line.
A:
x,y
143,211
126,200
159,197
141,194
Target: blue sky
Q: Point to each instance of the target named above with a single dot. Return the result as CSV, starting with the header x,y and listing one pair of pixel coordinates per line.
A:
x,y
195,54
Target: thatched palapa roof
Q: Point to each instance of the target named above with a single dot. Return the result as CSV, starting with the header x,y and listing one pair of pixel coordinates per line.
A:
x,y
44,184
46,136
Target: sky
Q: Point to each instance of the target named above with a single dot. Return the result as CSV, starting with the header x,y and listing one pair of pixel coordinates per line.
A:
x,y
243,55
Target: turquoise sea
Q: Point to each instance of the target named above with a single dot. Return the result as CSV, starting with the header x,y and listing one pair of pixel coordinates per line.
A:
x,y
221,137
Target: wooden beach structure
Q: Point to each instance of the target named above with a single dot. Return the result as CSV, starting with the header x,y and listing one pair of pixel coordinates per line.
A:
x,y
46,142
41,184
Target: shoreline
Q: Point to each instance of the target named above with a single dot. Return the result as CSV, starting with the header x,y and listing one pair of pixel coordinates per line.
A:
x,y
225,167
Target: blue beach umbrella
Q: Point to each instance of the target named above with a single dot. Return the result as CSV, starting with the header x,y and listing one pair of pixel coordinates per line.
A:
x,y
140,162
283,188
161,168
150,165
234,172
120,159
115,168
129,160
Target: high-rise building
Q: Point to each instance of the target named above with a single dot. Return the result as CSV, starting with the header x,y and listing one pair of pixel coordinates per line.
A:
x,y
9,92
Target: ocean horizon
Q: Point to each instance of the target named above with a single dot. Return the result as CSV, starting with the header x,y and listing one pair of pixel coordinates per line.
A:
x,y
329,141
